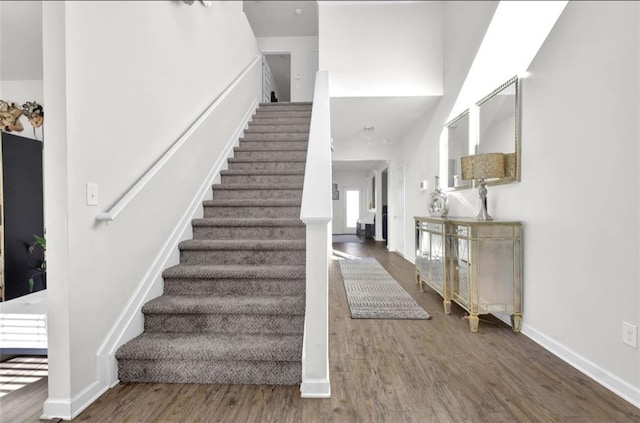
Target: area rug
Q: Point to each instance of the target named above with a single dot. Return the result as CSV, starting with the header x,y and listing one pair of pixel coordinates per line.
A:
x,y
346,238
372,293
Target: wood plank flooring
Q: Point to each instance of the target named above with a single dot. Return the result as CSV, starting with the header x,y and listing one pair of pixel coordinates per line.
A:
x,y
393,371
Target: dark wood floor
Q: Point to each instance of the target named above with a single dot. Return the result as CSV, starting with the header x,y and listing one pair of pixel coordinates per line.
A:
x,y
393,371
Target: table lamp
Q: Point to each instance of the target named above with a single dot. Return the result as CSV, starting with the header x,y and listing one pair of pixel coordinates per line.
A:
x,y
481,167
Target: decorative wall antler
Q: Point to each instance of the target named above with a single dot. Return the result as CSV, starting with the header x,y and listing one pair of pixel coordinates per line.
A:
x,y
10,116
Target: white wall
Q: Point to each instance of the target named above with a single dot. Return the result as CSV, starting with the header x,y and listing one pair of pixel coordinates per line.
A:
x,y
304,53
348,179
578,198
21,40
465,23
123,80
21,57
394,48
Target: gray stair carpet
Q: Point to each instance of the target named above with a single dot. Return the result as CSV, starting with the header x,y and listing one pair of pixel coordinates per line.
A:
x,y
232,311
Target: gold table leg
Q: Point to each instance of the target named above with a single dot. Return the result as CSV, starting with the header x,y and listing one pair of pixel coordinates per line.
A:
x,y
516,322
474,321
447,307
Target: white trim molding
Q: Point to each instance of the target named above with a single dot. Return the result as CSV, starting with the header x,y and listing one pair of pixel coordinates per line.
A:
x,y
605,378
130,323
70,409
315,388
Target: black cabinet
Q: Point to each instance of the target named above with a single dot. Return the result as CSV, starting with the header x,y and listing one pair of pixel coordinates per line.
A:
x,y
23,213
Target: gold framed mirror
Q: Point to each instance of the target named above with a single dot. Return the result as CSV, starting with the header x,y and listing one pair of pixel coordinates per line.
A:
x,y
457,145
499,128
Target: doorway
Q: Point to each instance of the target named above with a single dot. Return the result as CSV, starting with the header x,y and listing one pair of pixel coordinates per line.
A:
x,y
397,220
351,210
276,77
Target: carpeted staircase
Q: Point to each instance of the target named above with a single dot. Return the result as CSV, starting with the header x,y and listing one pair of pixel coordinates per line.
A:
x,y
233,309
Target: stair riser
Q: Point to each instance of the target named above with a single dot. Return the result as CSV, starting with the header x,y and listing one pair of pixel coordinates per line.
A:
x,y
277,154
264,114
199,371
253,232
276,136
265,194
263,179
277,128
267,165
281,120
259,212
225,323
284,107
247,257
266,146
283,145
237,287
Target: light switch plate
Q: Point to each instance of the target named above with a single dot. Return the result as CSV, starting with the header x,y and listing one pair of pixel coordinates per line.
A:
x,y
92,194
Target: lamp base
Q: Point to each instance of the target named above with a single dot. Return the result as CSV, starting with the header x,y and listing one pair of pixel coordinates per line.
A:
x,y
483,214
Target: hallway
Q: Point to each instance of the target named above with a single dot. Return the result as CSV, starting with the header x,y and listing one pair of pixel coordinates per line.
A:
x,y
393,371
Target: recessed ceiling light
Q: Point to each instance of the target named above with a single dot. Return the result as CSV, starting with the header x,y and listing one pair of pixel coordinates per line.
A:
x,y
298,12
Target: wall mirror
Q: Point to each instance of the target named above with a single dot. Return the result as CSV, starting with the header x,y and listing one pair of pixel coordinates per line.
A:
x,y
499,128
457,145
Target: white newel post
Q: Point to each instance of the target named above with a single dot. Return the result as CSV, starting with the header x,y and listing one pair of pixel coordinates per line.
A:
x,y
316,213
315,367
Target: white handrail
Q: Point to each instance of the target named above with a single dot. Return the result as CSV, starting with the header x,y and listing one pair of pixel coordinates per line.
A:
x,y
153,170
316,213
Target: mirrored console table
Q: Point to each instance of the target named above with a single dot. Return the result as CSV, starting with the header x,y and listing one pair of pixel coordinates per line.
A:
x,y
476,264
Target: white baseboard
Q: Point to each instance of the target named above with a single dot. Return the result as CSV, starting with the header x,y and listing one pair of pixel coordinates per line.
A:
x,y
605,378
315,388
70,409
130,323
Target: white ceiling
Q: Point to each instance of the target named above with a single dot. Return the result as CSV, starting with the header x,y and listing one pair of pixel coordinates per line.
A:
x,y
391,117
279,18
361,165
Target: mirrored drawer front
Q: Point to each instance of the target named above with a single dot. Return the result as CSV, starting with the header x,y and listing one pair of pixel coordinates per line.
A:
x,y
459,230
498,231
433,227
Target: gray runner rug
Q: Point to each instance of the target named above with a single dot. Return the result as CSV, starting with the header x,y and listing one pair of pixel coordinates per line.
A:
x,y
372,293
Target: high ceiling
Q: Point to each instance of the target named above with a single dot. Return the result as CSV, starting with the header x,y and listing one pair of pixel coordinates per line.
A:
x,y
387,119
390,117
357,165
282,18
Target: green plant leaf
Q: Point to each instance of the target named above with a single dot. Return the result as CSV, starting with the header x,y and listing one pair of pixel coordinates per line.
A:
x,y
31,284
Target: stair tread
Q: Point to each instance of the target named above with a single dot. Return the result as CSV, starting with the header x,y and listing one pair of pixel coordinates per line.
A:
x,y
247,222
213,304
255,130
202,271
253,172
257,186
211,346
243,244
288,103
271,149
251,202
263,160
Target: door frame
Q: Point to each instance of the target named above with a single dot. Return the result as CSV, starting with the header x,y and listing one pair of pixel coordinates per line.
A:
x,y
345,228
264,53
